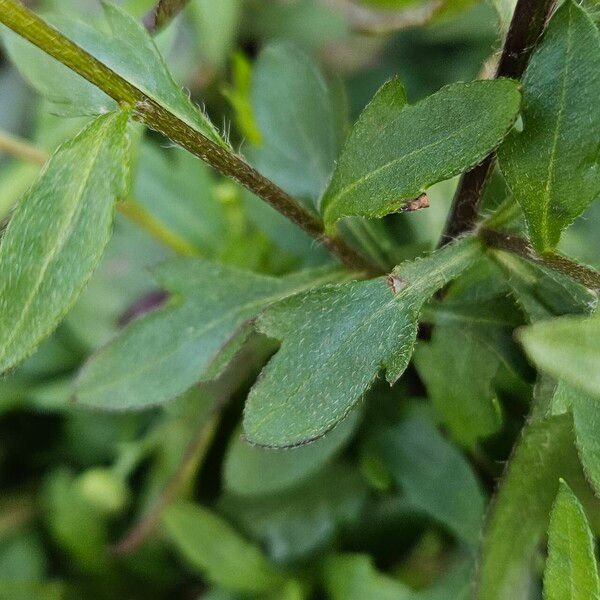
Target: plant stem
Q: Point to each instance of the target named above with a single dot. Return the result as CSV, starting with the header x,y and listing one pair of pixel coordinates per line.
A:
x,y
526,27
584,275
193,456
29,26
21,149
162,13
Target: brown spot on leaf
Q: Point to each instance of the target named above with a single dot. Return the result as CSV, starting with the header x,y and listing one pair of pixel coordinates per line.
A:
x,y
417,204
396,283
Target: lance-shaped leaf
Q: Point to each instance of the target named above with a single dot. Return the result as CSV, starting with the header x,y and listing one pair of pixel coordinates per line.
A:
x,y
433,475
567,348
397,150
161,355
211,545
127,49
571,571
57,234
293,108
542,292
552,165
335,341
254,471
521,511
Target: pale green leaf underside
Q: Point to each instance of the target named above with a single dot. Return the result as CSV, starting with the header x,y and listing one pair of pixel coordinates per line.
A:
x,y
460,383
542,292
552,165
214,548
396,150
161,355
567,348
571,571
433,475
57,234
293,108
127,49
335,339
354,577
253,471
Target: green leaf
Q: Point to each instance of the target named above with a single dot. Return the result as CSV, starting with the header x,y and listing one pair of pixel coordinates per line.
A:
x,y
354,577
294,523
396,150
586,418
460,383
505,10
216,25
544,293
178,190
571,571
435,478
335,340
521,511
126,48
552,165
161,355
567,348
254,471
211,545
57,234
293,108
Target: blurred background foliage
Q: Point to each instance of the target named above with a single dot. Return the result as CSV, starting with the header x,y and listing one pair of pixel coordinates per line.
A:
x,y
390,504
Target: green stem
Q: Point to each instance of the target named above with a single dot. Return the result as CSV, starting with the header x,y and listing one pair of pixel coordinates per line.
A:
x,y
584,275
29,26
21,149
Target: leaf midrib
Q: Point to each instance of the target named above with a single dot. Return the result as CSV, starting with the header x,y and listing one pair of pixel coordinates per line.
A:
x,y
350,187
234,312
544,223
63,236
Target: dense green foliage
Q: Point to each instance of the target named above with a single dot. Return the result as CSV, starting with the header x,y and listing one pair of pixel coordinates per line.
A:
x,y
202,398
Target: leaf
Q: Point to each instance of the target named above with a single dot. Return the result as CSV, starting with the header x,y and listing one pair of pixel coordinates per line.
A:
x,y
211,545
127,49
505,10
568,348
460,383
293,108
161,355
178,190
435,478
544,293
57,234
571,571
354,577
254,471
552,165
292,524
521,511
335,339
586,418
216,26
396,150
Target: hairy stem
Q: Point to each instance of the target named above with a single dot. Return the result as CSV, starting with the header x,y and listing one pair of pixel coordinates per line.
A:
x,y
526,27
162,13
584,275
29,26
